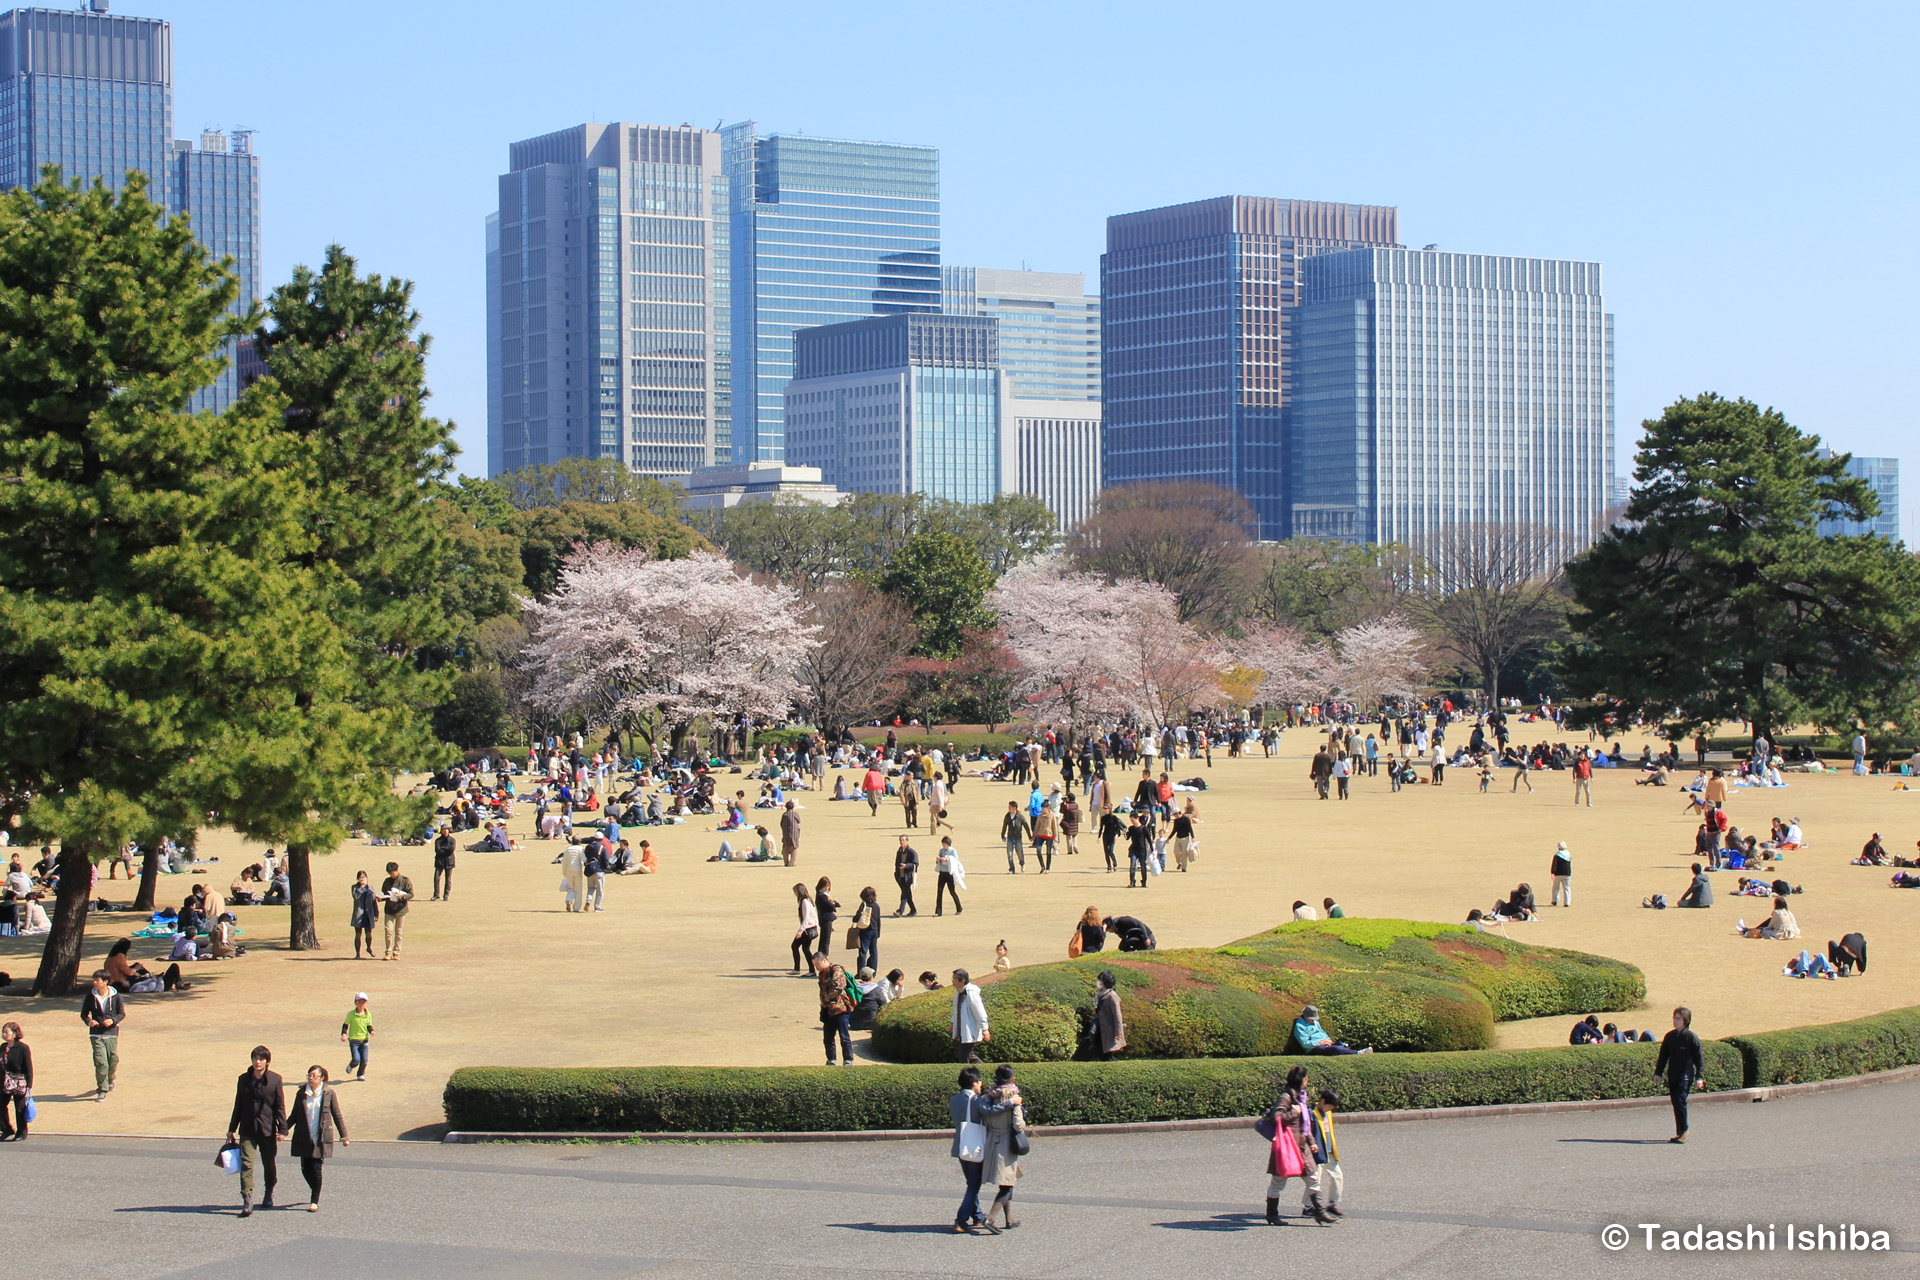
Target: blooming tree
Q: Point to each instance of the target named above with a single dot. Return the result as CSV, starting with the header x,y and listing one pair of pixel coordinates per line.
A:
x,y
1380,660
639,643
1061,627
1292,669
1164,668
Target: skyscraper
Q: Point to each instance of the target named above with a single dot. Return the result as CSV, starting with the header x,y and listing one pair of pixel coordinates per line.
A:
x,y
824,231
87,91
1883,476
1049,327
1437,389
608,308
218,188
1198,304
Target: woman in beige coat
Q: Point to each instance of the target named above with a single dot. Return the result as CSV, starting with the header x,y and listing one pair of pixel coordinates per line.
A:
x,y
1004,1116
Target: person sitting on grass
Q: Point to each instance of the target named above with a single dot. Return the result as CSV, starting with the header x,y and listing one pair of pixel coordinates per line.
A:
x,y
131,978
1699,893
1312,1038
1848,954
1779,927
1872,853
1806,965
1585,1031
1520,906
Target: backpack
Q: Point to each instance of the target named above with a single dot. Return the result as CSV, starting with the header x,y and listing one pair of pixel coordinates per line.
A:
x,y
1659,902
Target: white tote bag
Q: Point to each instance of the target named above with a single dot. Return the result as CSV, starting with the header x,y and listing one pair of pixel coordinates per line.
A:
x,y
973,1141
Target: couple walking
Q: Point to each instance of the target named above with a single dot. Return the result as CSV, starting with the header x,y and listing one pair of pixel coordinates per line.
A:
x,y
989,1137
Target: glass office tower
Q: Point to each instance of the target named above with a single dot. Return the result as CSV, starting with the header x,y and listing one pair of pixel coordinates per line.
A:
x,y
218,188
1441,389
1198,303
86,91
824,231
1049,327
1883,476
608,317
898,404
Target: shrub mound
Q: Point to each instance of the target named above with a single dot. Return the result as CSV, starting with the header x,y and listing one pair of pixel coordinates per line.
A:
x,y
813,1099
1398,985
1878,1043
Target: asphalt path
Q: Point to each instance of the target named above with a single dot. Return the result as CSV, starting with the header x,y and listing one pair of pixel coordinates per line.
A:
x,y
1521,1196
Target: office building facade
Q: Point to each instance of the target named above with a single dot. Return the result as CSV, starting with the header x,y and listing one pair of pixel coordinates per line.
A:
x,y
1197,312
825,231
218,188
1049,327
1051,450
608,316
1883,477
1444,389
898,404
88,91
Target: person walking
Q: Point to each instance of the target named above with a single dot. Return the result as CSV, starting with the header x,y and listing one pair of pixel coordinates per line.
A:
x,y
103,1013
366,914
1070,823
906,869
1582,778
910,797
1320,772
1006,1122
1140,838
866,918
1342,770
873,786
443,850
803,937
953,876
968,1025
1683,1064
314,1123
1013,830
1182,839
1520,775
397,890
1046,830
16,1082
1109,1025
969,1148
1291,1153
827,908
790,835
838,1000
1330,1180
1562,872
259,1116
357,1031
1111,829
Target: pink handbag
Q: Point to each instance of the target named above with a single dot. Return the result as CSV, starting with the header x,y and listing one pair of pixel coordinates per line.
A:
x,y
1286,1153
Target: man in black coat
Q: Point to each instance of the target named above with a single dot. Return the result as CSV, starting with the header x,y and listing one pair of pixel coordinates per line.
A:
x,y
443,850
259,1114
1683,1063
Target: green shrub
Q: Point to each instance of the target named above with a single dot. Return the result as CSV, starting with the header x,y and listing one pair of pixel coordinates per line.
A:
x,y
1840,1049
1397,985
803,1099
921,738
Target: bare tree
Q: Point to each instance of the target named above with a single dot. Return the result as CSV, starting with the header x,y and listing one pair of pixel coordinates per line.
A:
x,y
851,676
1491,593
1193,539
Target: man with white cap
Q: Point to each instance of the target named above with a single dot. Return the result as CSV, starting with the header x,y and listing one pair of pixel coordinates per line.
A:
x,y
1562,876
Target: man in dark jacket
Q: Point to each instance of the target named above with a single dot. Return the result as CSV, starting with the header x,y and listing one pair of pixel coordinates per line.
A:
x,y
1848,954
1133,934
1320,771
103,1013
259,1114
1699,893
443,847
1683,1063
906,866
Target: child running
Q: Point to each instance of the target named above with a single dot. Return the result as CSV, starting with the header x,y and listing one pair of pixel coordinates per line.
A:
x,y
357,1030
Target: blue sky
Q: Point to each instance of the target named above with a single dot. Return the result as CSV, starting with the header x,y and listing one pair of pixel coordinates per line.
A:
x,y
1744,171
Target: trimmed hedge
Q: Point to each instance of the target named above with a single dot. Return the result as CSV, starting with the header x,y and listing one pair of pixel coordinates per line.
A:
x,y
1398,985
802,1099
1878,1043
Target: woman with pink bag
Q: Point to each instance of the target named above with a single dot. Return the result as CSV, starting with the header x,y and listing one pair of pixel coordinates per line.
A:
x,y
1291,1156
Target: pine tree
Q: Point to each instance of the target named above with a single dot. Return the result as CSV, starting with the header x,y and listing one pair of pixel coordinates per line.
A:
x,y
1717,599
149,578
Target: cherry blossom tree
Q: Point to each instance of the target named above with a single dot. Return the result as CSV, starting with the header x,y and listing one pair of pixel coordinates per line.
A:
x,y
1293,669
1061,628
1163,668
654,645
1380,660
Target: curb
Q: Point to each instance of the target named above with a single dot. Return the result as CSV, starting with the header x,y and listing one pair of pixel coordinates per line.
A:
x,y
1766,1094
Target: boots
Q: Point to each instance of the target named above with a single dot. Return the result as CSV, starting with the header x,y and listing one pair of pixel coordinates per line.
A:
x,y
246,1206
1318,1210
1273,1211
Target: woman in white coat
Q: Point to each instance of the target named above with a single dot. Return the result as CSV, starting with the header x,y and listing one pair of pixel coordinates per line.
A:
x,y
573,877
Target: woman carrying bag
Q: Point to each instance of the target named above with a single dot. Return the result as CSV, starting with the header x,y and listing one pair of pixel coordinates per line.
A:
x,y
1006,1120
804,936
1291,1156
16,1071
313,1120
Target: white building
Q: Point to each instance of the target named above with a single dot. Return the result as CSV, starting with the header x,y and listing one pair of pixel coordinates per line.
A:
x,y
711,488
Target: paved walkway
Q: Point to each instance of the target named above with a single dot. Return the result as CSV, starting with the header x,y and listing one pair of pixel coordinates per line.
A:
x,y
1515,1197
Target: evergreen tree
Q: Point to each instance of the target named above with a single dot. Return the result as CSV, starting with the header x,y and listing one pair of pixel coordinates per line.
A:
x,y
943,581
1717,599
344,351
149,580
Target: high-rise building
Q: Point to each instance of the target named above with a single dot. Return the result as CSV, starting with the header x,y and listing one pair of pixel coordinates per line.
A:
x,y
218,188
608,313
1049,327
1883,476
1051,450
1198,303
824,231
1440,389
88,91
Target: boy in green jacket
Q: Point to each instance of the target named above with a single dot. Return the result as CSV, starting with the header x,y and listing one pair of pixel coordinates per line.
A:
x,y
356,1031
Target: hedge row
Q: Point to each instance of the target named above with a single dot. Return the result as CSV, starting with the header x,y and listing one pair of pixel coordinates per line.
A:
x,y
1879,1043
801,1099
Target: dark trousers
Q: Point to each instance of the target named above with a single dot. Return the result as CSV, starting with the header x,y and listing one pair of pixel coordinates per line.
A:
x,y
940,892
1137,866
310,1170
19,1125
906,897
966,1051
803,949
258,1153
1107,842
443,876
359,933
832,1023
1043,850
869,957
969,1203
1677,1091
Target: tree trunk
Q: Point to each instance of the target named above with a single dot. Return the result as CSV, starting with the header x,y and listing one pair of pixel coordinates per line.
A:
x,y
60,962
300,933
149,880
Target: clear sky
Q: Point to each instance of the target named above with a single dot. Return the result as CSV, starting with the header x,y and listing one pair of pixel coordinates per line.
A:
x,y
1745,171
